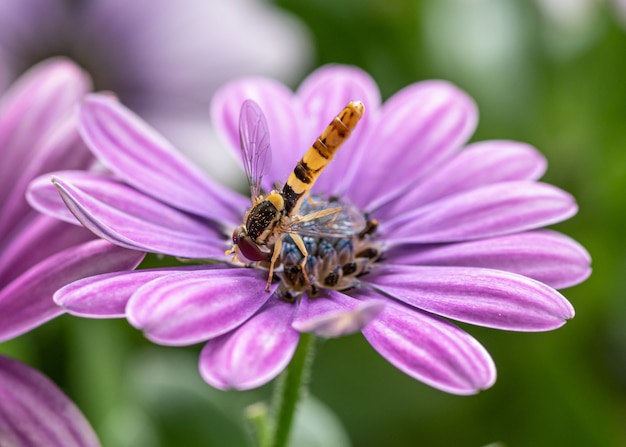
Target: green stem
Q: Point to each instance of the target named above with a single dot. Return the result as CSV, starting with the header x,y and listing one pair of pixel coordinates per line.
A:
x,y
257,417
290,388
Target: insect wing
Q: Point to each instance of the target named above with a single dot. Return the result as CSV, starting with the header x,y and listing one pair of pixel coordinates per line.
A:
x,y
346,222
254,138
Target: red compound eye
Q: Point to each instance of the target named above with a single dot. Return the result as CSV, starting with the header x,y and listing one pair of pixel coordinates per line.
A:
x,y
248,248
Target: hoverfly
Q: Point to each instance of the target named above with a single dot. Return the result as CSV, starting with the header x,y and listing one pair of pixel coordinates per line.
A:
x,y
271,217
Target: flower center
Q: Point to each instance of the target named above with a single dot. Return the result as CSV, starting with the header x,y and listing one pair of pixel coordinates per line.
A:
x,y
332,262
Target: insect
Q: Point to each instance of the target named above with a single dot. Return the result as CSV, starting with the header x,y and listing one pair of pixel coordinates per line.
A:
x,y
271,217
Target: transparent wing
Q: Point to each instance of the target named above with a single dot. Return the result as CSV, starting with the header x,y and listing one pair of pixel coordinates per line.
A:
x,y
254,138
347,221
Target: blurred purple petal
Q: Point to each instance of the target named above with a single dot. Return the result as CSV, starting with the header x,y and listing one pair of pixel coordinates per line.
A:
x,y
144,159
191,307
419,127
35,239
546,256
324,94
40,100
483,297
35,412
62,149
254,353
128,218
488,211
431,350
27,301
335,314
279,107
477,165
106,295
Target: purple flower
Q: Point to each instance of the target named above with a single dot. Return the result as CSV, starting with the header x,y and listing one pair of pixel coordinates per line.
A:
x,y
34,412
39,254
457,235
165,59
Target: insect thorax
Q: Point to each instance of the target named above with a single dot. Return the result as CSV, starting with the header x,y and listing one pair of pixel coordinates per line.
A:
x,y
261,221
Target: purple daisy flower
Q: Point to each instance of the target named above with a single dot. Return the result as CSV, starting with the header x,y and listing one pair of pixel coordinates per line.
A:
x,y
34,412
456,238
39,254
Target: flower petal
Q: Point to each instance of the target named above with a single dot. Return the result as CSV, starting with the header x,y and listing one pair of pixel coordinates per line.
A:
x,y
546,256
488,211
478,165
106,295
485,297
35,239
324,93
254,353
431,350
43,95
144,159
186,308
27,301
35,412
63,148
280,109
129,218
45,198
420,126
335,314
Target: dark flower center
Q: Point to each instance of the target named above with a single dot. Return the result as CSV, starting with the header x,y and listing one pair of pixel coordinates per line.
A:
x,y
331,262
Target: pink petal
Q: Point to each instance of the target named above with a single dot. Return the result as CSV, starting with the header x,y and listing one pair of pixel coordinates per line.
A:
x,y
480,164
488,211
420,126
335,314
27,301
281,110
431,350
191,307
35,239
546,256
254,353
129,218
31,109
106,295
43,196
63,148
144,159
35,412
479,296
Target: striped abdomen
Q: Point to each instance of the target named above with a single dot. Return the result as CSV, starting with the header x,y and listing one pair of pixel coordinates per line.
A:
x,y
319,155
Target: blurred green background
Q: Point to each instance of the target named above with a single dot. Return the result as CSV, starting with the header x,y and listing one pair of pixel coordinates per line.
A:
x,y
553,78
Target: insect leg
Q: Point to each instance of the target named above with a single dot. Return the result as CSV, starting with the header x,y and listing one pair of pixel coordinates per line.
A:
x,y
278,248
319,214
300,244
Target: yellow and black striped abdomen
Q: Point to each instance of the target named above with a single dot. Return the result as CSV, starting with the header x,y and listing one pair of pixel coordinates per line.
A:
x,y
319,155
